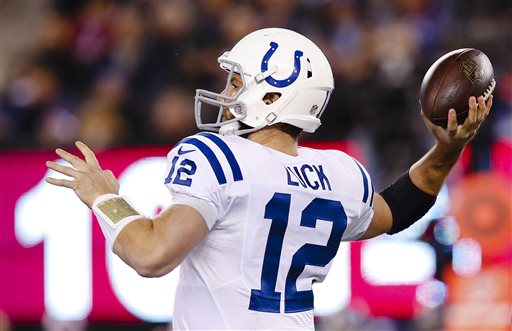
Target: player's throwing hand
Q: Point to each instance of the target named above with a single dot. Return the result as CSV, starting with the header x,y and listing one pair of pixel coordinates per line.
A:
x,y
89,180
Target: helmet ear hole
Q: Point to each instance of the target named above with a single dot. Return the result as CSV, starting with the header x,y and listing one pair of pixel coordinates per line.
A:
x,y
271,97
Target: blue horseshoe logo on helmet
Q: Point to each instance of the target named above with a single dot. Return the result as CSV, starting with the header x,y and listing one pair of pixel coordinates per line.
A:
x,y
281,82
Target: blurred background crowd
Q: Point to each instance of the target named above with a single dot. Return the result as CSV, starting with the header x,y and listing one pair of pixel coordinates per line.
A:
x,y
124,73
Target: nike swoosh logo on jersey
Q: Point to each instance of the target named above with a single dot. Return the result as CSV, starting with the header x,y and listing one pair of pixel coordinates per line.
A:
x,y
181,151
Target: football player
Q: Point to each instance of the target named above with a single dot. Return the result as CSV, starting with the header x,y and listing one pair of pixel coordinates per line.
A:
x,y
255,219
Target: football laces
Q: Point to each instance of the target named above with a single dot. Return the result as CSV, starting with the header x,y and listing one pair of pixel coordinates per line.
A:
x,y
490,89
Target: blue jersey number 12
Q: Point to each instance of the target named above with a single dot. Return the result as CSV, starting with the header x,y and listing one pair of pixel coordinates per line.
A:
x,y
277,210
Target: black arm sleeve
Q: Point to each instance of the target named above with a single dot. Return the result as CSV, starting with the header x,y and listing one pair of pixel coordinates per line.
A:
x,y
407,202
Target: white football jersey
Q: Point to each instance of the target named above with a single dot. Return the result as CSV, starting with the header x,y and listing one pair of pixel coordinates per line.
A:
x,y
276,222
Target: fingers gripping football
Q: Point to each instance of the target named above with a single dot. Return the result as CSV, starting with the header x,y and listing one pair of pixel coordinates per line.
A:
x,y
88,179
477,113
457,136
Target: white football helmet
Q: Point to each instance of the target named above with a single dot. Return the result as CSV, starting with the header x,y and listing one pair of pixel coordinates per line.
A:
x,y
270,60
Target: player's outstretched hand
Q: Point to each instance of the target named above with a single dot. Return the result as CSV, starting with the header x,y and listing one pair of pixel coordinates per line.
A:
x,y
455,137
89,180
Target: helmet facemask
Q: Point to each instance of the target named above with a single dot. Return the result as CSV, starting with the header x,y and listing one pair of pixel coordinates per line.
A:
x,y
222,101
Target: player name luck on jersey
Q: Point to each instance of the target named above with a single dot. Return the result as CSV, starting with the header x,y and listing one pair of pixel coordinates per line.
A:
x,y
310,176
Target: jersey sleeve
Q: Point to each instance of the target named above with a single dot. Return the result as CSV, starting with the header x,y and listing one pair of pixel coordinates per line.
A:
x,y
195,177
363,191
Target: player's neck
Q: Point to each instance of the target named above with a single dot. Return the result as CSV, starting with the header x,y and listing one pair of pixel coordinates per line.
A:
x,y
276,139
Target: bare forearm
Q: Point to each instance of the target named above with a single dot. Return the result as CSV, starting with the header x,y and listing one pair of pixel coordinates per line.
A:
x,y
154,247
430,172
138,245
414,193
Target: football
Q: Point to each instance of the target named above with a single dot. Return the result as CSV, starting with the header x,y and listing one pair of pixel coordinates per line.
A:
x,y
451,80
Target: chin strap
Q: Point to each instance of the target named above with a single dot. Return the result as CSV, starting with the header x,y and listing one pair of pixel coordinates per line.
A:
x,y
229,129
263,75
